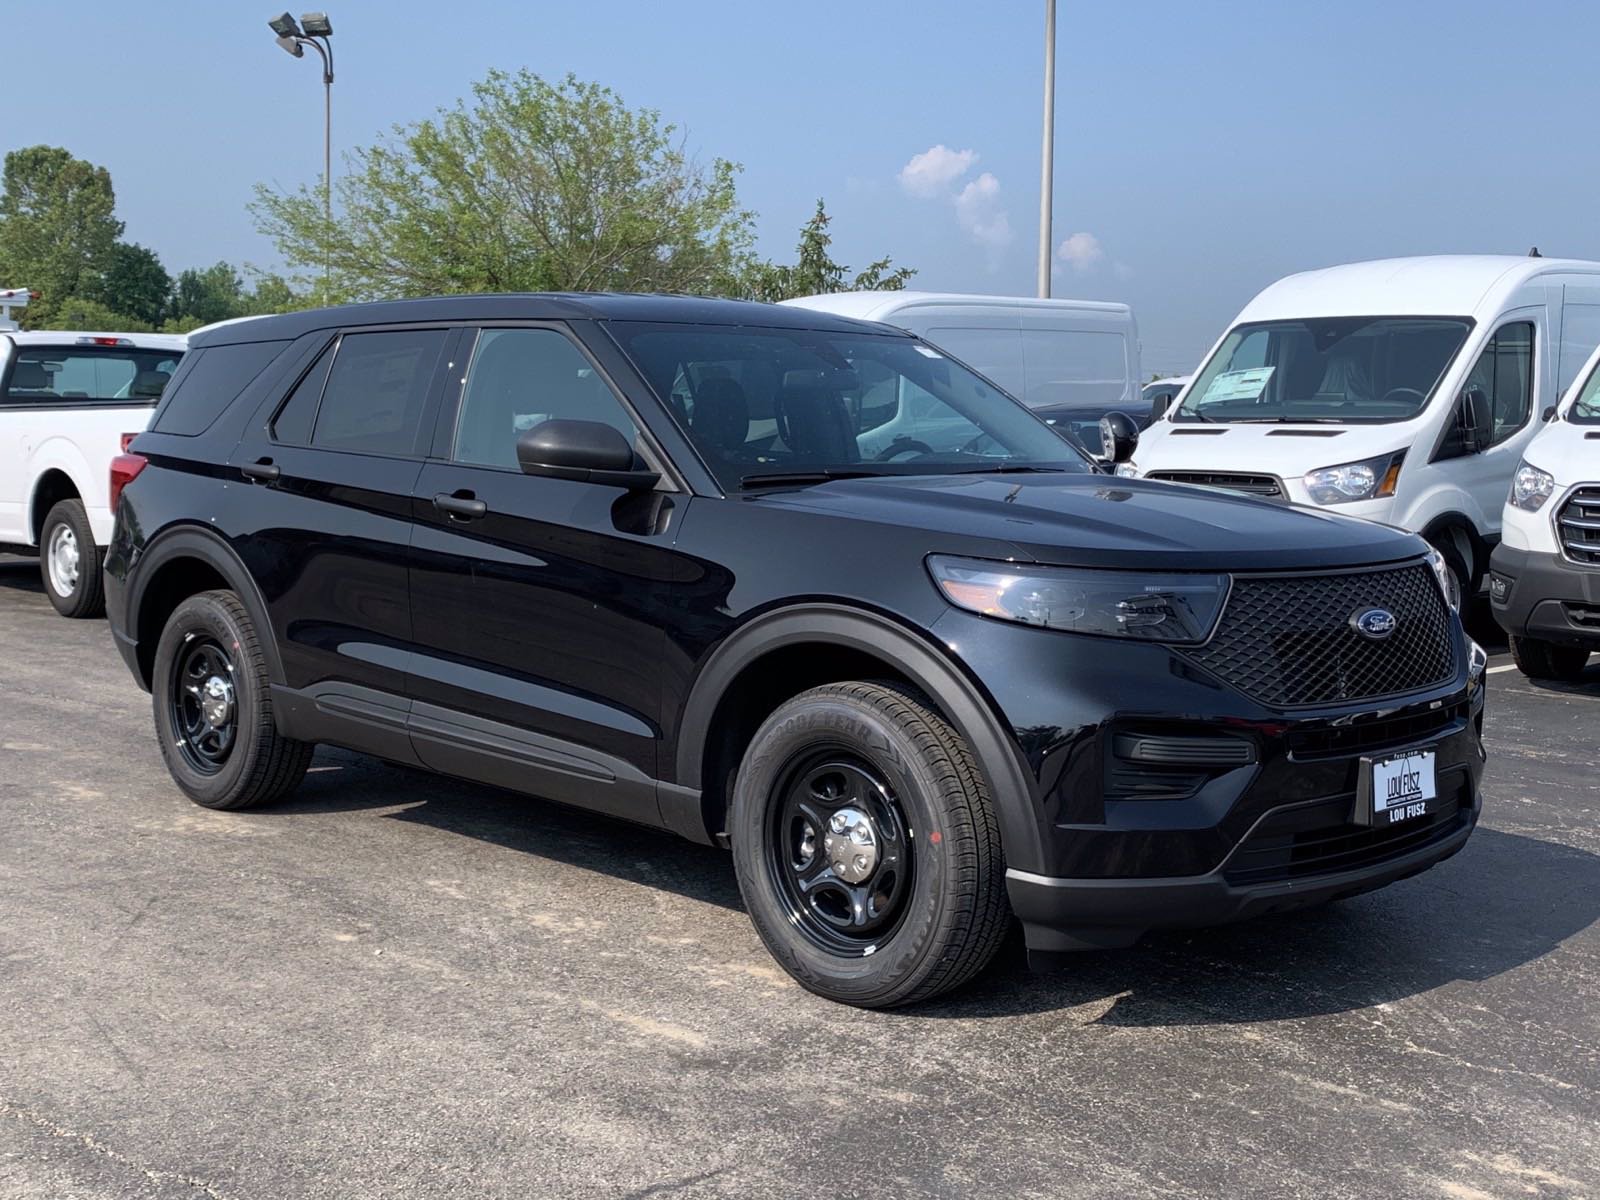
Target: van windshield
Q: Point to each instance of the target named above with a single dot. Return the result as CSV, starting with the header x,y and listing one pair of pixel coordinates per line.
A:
x,y
1332,370
1585,409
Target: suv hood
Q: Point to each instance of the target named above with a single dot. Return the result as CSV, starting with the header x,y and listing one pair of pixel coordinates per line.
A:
x,y
1102,521
1285,450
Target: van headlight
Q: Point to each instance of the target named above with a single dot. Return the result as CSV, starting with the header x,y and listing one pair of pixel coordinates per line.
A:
x,y
1174,607
1369,479
1531,487
1127,470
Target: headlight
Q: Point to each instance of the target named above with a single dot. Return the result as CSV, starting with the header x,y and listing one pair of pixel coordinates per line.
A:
x,y
1154,608
1127,470
1370,479
1531,487
1448,583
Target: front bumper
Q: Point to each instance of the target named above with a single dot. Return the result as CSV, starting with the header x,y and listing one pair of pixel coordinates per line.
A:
x,y
1542,596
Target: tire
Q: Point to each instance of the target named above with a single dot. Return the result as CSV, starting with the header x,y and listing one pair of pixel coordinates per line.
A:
x,y
1459,570
1547,660
69,562
876,749
213,708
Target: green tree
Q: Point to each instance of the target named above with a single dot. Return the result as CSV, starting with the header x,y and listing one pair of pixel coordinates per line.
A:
x,y
814,272
531,186
213,294
136,283
58,230
80,312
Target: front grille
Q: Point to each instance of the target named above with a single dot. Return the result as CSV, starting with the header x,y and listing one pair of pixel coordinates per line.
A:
x,y
1265,486
1289,641
1579,522
1384,733
1280,847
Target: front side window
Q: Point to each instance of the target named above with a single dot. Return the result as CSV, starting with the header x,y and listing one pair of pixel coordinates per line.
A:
x,y
519,378
1585,409
1329,370
765,403
1504,373
376,391
43,374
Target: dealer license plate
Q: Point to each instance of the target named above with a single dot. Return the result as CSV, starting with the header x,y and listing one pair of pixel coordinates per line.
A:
x,y
1399,788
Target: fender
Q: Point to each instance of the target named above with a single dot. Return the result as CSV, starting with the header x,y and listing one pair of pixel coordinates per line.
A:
x,y
61,454
197,541
1011,785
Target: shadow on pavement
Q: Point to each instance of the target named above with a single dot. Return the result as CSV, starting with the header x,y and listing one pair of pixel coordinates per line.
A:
x,y
20,575
1504,901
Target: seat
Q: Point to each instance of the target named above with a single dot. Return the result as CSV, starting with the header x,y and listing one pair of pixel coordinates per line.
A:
x,y
30,376
815,424
148,384
721,423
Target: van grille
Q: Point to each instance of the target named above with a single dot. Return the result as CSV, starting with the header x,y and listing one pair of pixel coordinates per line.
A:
x,y
1579,521
1265,486
1289,641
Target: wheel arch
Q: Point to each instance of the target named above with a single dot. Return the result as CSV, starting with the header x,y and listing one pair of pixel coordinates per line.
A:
x,y
1460,531
180,563
760,660
53,485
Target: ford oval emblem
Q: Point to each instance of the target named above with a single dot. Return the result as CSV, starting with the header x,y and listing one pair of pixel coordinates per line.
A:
x,y
1374,623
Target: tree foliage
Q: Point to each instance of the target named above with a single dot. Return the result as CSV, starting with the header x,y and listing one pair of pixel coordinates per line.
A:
x,y
532,186
136,283
814,272
58,229
80,312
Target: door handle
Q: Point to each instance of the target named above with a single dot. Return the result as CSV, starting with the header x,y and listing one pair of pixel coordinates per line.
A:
x,y
462,505
264,470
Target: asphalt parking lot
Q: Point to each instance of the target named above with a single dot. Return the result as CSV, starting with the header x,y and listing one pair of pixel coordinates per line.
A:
x,y
397,985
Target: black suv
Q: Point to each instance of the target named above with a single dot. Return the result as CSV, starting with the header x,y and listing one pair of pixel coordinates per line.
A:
x,y
629,553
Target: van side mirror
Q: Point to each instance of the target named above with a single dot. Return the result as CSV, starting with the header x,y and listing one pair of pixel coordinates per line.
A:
x,y
1159,404
1119,437
1477,416
1549,414
586,451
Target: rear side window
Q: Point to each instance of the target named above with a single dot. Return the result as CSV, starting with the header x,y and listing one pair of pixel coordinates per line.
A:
x,y
211,382
292,425
1074,366
73,374
376,391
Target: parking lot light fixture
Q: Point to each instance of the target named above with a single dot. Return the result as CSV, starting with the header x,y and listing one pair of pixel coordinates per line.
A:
x,y
283,25
317,31
316,24
292,46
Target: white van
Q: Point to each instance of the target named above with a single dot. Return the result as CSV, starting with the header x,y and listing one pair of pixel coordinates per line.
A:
x,y
1544,581
1403,391
1064,356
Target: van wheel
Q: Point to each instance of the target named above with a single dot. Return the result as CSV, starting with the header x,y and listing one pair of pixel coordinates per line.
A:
x,y
213,708
1546,660
69,562
1460,573
866,846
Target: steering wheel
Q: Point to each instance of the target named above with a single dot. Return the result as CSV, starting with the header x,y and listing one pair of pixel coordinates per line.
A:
x,y
902,446
1408,391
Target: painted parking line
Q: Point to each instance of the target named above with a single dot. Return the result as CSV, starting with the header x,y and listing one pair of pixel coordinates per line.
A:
x,y
1507,667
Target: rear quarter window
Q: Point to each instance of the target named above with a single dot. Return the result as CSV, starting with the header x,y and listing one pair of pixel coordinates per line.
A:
x,y
211,379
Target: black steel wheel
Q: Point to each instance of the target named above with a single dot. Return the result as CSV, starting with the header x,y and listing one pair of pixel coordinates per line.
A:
x,y
204,705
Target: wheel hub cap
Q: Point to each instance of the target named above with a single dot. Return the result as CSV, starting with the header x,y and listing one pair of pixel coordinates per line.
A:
x,y
851,845
64,560
216,701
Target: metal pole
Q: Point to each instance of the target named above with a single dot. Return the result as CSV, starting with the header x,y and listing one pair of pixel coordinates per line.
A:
x,y
1047,168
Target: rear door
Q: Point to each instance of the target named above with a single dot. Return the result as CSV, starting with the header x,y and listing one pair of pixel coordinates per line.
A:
x,y
328,523
539,615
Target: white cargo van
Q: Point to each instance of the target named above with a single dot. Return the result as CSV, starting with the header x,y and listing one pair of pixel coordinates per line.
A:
x,y
1067,354
1403,391
1544,582
69,403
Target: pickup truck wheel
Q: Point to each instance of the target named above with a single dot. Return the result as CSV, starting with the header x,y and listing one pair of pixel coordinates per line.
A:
x,y
213,708
1546,660
69,561
866,846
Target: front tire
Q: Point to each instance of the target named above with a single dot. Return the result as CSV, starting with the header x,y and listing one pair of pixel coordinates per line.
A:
x,y
866,846
1547,660
69,562
213,708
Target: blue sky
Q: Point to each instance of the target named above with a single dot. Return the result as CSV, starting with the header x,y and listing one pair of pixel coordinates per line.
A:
x,y
1203,149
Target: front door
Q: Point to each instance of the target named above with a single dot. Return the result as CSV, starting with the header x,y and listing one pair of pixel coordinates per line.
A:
x,y
537,601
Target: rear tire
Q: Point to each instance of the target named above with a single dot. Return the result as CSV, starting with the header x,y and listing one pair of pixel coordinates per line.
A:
x,y
920,905
69,562
213,708
1547,660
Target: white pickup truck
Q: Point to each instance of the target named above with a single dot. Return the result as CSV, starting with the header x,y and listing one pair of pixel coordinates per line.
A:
x,y
69,403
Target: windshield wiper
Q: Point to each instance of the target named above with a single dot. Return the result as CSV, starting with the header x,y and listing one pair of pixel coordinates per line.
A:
x,y
797,478
1012,469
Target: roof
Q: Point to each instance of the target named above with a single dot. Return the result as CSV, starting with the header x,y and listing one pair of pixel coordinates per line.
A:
x,y
570,306
142,341
1443,285
877,306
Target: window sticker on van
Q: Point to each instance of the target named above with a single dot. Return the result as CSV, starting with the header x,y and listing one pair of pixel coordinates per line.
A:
x,y
1247,384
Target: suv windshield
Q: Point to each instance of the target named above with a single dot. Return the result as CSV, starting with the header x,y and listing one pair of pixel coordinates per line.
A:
x,y
1585,409
783,402
1330,369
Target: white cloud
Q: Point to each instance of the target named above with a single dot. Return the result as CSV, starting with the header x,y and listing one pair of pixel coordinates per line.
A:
x,y
1081,251
978,212
935,169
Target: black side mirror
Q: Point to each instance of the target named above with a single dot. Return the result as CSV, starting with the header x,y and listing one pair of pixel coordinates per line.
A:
x,y
1477,416
1159,404
587,451
1549,414
1119,436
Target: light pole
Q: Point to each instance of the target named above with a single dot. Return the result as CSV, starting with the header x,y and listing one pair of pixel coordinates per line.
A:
x,y
317,32
1047,171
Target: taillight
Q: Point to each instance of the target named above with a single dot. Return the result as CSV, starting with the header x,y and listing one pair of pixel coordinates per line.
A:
x,y
127,440
125,469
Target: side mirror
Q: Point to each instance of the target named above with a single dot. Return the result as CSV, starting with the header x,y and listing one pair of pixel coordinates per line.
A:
x,y
1549,414
587,451
1119,437
1478,417
1159,405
